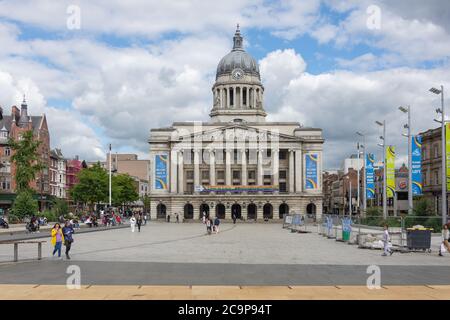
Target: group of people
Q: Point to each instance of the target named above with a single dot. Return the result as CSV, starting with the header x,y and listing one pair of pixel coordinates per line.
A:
x,y
138,219
445,246
35,222
177,217
211,225
60,236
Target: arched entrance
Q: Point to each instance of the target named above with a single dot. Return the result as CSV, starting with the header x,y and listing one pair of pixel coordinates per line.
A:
x,y
204,208
251,211
284,209
161,211
188,211
311,209
268,211
236,210
220,211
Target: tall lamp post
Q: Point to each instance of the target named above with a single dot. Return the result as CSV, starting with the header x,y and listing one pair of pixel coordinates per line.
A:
x,y
350,196
364,170
110,156
443,153
383,145
408,135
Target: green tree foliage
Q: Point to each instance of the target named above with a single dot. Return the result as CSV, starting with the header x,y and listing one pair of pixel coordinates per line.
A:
x,y
146,201
123,189
24,204
26,160
60,208
92,187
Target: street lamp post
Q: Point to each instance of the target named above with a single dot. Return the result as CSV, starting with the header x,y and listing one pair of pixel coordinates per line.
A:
x,y
408,135
110,156
357,178
443,154
364,171
383,145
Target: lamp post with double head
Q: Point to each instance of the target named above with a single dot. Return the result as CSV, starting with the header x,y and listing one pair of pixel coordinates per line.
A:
x,y
363,146
407,110
443,153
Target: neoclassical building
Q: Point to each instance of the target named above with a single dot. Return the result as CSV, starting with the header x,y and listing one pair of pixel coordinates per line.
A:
x,y
237,162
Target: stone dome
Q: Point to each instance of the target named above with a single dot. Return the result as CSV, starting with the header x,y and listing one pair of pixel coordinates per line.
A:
x,y
237,58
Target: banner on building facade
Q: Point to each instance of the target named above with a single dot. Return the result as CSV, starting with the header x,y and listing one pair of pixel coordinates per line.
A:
x,y
161,164
236,188
390,171
416,165
370,178
447,151
311,171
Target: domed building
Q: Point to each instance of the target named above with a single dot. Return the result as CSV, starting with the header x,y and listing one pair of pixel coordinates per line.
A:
x,y
237,163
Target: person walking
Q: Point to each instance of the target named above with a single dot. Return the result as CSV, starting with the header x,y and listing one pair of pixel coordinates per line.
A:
x,y
178,217
208,226
139,222
445,238
204,217
168,217
132,223
57,239
234,218
67,231
386,240
216,225
145,219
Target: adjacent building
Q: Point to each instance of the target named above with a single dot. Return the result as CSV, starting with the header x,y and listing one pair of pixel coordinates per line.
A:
x,y
237,163
58,171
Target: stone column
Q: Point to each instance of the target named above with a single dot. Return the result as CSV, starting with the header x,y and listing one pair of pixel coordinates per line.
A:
x,y
244,167
196,168
180,173
275,168
260,172
228,167
229,97
241,97
221,97
212,168
247,96
291,171
298,171
173,171
254,97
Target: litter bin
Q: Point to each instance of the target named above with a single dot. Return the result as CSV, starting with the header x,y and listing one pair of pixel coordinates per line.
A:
x,y
418,238
346,235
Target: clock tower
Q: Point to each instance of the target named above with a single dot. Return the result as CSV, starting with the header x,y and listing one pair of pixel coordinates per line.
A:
x,y
238,91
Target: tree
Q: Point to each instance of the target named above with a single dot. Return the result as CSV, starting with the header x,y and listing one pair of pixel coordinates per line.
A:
x,y
24,205
92,187
60,208
146,201
123,189
26,160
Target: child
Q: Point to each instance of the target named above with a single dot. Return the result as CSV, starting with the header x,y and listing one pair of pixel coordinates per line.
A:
x,y
386,239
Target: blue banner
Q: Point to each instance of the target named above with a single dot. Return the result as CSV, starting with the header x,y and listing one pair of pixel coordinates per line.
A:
x,y
416,167
370,178
311,171
161,172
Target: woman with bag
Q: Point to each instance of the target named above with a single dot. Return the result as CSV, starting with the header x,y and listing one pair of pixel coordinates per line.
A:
x,y
68,239
57,239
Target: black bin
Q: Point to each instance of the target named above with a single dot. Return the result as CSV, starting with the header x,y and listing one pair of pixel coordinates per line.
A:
x,y
418,239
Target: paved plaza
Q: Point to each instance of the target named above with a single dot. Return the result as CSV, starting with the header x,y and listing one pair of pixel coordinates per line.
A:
x,y
241,254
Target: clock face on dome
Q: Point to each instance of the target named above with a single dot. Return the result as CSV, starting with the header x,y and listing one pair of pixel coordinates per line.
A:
x,y
237,74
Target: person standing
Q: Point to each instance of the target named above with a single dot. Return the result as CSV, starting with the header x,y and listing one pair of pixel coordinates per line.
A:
x,y
139,222
168,217
57,239
208,226
386,240
234,218
145,219
204,217
178,217
445,238
67,231
216,224
132,223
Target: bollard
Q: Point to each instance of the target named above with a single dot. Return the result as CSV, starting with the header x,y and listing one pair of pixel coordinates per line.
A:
x,y
16,252
40,250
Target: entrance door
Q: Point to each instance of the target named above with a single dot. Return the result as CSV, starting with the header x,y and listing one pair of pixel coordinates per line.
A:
x,y
188,211
284,209
161,211
204,208
268,211
251,212
236,210
220,211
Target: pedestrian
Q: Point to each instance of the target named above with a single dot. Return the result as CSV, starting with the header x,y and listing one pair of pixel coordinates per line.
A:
x,y
57,239
445,238
67,231
216,224
204,217
139,222
386,240
145,219
168,217
208,226
234,218
132,223
178,217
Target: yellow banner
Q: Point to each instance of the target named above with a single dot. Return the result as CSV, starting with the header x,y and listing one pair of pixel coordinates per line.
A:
x,y
390,171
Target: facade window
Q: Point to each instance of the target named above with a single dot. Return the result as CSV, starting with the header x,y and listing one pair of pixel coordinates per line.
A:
x,y
283,174
7,152
220,175
236,174
424,153
252,175
283,187
189,174
436,151
190,187
282,155
205,175
436,178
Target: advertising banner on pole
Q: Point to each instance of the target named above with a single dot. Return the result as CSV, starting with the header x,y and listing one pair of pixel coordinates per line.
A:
x,y
390,171
447,151
416,165
161,161
311,171
370,178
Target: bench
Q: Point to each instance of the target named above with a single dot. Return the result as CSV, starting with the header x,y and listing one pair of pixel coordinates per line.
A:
x,y
16,247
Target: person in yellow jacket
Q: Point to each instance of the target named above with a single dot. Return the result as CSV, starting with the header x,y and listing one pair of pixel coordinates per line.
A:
x,y
57,239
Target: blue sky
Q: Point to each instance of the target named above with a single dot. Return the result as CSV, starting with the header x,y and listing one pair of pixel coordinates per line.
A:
x,y
131,68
